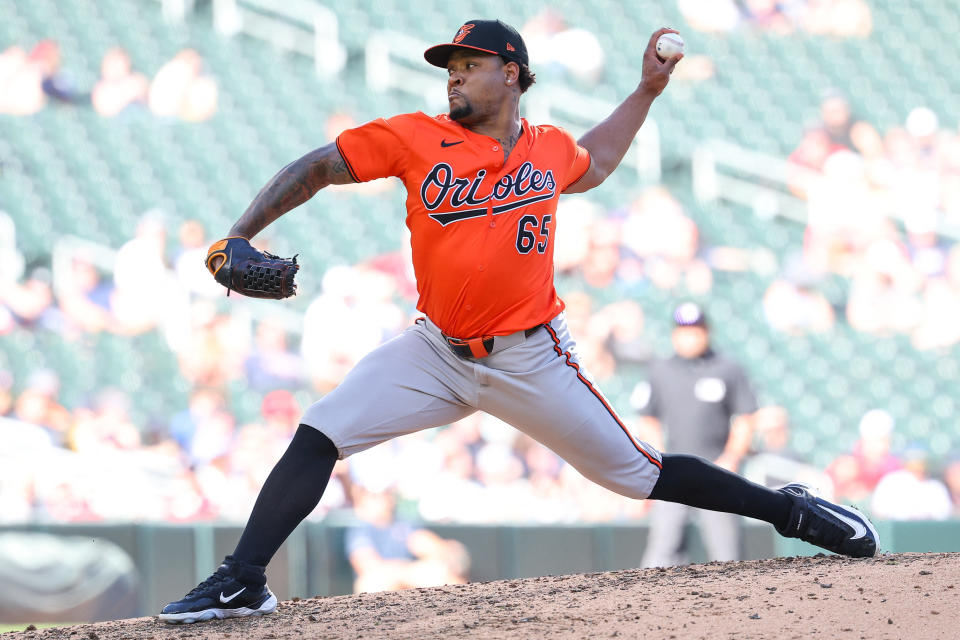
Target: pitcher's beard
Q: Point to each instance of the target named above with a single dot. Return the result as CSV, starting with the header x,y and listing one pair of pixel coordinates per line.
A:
x,y
461,112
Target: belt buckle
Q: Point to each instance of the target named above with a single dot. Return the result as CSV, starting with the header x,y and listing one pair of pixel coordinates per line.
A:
x,y
472,347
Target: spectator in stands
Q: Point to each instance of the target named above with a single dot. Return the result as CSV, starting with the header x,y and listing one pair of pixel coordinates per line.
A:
x,y
878,169
805,163
856,475
841,18
280,412
773,463
356,306
951,477
119,86
571,243
250,459
710,15
506,495
941,306
216,348
658,230
56,84
30,304
844,216
792,304
767,15
213,440
563,51
388,554
455,489
398,266
21,83
184,500
38,403
231,483
884,291
203,403
602,261
188,261
105,426
181,89
272,364
543,469
937,327
910,493
916,183
84,296
146,293
593,334
625,339
836,119
6,393
950,178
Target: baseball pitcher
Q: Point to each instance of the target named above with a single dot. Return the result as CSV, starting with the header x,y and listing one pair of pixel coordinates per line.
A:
x,y
482,190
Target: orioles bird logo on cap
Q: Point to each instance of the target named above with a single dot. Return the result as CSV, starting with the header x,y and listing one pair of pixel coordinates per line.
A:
x,y
462,33
510,47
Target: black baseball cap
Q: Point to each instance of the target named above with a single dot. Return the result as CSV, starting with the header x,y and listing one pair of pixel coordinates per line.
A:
x,y
489,36
689,314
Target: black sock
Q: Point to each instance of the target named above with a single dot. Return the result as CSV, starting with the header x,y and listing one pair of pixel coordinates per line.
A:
x,y
290,493
698,483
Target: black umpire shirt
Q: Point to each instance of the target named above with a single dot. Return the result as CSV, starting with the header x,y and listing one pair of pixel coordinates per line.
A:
x,y
695,400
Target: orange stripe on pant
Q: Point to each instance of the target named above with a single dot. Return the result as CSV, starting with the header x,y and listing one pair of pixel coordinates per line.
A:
x,y
597,395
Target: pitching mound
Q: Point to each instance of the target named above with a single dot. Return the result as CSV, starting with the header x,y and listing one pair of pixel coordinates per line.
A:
x,y
892,596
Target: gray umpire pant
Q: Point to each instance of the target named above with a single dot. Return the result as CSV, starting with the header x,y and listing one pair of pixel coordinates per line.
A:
x,y
721,534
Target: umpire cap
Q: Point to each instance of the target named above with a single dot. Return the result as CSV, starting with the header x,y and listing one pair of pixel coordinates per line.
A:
x,y
488,36
689,314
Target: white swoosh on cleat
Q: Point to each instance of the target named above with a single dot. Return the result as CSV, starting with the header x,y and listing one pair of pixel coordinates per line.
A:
x,y
859,530
226,600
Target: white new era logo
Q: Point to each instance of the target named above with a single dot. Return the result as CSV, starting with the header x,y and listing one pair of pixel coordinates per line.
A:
x,y
858,529
226,600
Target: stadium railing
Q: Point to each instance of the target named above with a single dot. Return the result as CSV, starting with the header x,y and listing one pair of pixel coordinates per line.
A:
x,y
303,26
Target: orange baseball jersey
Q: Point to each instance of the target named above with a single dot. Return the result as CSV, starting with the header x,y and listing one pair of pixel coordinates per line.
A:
x,y
481,229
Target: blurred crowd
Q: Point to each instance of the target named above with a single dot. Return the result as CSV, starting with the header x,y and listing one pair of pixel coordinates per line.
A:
x,y
884,210
181,88
201,460
206,460
838,18
905,483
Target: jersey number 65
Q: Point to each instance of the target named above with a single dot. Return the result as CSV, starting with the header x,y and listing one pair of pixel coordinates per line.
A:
x,y
528,231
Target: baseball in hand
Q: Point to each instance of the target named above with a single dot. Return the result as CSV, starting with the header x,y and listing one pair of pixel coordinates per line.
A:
x,y
669,46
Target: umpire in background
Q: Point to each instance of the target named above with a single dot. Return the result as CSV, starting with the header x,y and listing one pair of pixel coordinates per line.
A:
x,y
700,403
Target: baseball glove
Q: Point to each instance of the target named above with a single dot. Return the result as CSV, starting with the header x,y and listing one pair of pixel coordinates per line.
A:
x,y
239,267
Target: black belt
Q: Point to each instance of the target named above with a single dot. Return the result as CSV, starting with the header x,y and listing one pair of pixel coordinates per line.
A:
x,y
479,347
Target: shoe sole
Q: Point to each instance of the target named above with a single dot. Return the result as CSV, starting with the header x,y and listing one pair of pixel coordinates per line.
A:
x,y
189,617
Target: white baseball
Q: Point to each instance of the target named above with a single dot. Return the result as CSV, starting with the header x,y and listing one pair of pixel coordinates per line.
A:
x,y
669,45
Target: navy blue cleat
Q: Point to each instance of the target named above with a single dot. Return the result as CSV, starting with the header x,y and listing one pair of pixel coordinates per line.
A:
x,y
220,596
834,527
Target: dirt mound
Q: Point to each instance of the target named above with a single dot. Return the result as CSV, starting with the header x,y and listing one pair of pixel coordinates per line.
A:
x,y
892,596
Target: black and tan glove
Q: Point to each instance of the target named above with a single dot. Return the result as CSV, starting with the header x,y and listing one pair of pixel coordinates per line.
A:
x,y
240,267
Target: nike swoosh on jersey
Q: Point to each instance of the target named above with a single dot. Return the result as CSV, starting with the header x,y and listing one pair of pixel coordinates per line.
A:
x,y
444,143
859,530
226,600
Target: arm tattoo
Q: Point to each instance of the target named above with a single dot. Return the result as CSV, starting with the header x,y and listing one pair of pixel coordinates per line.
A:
x,y
292,186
